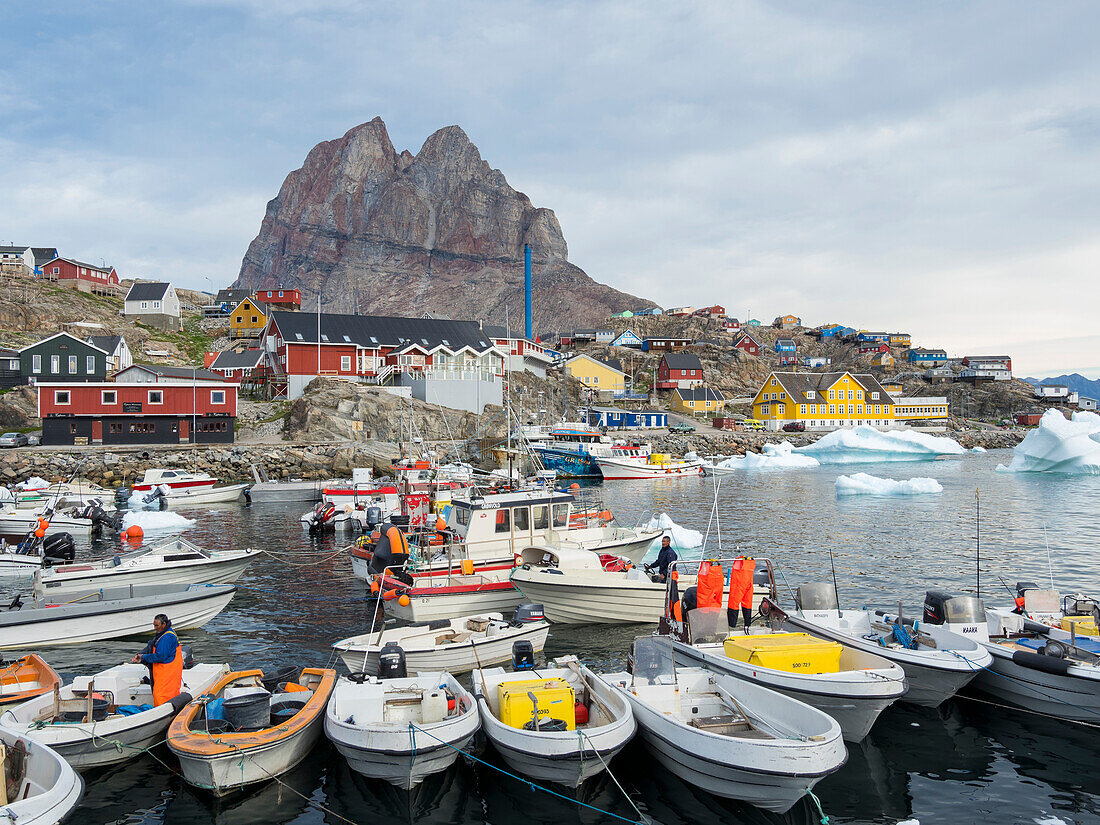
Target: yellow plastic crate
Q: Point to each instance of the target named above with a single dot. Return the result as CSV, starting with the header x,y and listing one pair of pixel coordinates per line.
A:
x,y
793,652
658,458
1085,625
555,698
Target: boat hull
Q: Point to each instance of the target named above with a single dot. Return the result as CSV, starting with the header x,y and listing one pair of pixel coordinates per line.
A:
x,y
59,787
569,600
567,463
205,495
1064,696
285,491
621,470
432,606
219,571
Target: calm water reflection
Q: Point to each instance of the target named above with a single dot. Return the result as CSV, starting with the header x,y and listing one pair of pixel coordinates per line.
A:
x,y
964,763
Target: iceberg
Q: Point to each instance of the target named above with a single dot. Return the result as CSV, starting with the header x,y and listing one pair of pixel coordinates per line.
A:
x,y
866,444
978,449
781,456
1059,446
157,520
864,484
682,537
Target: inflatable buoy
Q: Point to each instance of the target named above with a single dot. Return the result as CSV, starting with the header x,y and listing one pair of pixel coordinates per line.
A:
x,y
574,486
134,531
389,595
441,524
374,587
403,600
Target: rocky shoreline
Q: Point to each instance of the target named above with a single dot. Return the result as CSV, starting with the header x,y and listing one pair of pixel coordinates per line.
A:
x,y
720,442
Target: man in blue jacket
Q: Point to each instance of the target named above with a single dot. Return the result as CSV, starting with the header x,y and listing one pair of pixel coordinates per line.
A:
x,y
164,658
665,558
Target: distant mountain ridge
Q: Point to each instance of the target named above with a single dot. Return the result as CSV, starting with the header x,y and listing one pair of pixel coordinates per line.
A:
x,y
376,231
1075,382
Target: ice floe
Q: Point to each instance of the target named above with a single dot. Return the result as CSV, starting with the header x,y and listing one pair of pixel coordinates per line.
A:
x,y
779,456
682,537
1059,446
977,449
157,520
864,484
863,444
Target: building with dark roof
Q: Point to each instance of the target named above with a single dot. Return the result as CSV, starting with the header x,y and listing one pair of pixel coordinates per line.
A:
x,y
697,400
153,303
118,352
523,354
237,365
163,374
679,370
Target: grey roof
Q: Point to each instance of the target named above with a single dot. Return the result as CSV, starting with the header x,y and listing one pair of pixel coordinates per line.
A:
x,y
147,291
5,352
231,296
189,373
923,351
232,360
17,249
372,331
682,361
589,332
43,254
614,363
103,268
785,341
797,384
256,302
701,394
107,343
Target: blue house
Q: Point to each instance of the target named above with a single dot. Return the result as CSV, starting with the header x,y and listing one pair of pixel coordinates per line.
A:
x,y
650,311
784,345
864,335
615,419
627,339
831,331
926,357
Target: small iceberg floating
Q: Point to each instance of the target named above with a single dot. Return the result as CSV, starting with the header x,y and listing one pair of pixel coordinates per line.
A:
x,y
781,456
866,444
682,537
157,520
1059,446
865,484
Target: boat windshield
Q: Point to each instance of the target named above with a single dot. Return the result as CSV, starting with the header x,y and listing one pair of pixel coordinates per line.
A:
x,y
964,610
653,661
708,625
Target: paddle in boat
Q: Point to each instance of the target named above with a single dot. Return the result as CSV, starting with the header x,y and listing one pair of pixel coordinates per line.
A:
x,y
554,724
454,645
109,717
38,786
937,663
728,737
26,678
241,732
398,728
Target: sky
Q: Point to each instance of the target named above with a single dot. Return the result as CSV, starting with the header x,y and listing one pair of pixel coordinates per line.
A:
x,y
930,168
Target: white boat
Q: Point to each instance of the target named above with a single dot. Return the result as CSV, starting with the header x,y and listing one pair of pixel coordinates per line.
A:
x,y
44,787
453,645
574,587
224,760
264,490
725,736
69,722
20,522
201,495
170,561
937,663
74,493
653,466
14,565
851,686
561,746
401,730
1035,666
442,596
111,613
175,480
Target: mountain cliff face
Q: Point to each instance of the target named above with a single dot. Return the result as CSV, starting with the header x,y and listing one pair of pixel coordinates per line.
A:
x,y
388,233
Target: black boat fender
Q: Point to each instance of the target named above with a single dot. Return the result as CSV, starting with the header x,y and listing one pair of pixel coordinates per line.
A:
x,y
1039,661
180,701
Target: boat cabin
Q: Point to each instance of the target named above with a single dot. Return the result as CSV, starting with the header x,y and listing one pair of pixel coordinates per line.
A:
x,y
517,519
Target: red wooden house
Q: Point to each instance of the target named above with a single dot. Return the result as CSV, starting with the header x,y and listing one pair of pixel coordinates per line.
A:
x,y
871,347
97,278
715,311
138,413
679,371
746,343
280,298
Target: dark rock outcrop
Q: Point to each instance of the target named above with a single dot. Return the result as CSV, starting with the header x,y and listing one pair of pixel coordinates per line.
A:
x,y
385,233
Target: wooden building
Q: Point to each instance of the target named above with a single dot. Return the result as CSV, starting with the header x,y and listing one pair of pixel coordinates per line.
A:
x,y
62,357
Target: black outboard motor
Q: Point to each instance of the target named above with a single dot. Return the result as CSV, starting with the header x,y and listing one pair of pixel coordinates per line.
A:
x,y
122,494
934,601
526,613
391,662
374,517
58,549
188,657
523,655
99,518
323,518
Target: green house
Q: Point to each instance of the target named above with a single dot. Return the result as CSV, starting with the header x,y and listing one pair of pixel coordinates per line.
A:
x,y
62,357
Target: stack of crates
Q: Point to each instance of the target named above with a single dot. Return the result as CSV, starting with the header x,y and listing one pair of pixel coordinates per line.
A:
x,y
1084,625
792,652
555,701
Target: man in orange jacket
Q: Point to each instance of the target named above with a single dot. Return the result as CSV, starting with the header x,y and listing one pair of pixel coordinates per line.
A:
x,y
164,658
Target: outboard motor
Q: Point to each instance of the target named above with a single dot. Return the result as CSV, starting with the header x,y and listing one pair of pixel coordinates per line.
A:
x,y
99,518
391,662
526,613
374,517
523,655
58,548
188,657
158,493
122,494
934,601
323,518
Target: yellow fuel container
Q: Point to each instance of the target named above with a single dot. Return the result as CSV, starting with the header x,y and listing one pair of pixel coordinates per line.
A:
x,y
555,701
658,458
792,652
1085,625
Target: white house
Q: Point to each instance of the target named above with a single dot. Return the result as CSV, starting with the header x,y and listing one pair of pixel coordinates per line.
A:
x,y
1086,403
627,339
119,356
1051,391
153,303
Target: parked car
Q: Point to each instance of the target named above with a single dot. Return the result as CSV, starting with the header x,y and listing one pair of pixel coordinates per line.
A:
x,y
13,440
794,427
34,439
681,428
753,424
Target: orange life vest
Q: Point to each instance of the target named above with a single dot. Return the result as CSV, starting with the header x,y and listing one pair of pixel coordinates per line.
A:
x,y
741,583
709,585
168,677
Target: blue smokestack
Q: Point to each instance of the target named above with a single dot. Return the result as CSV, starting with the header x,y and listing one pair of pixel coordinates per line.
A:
x,y
527,291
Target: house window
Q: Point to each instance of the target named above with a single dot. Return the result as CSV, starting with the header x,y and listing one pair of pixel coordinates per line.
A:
x,y
783,396
596,379
144,304
813,409
763,409
810,394
859,409
108,397
832,409
886,409
851,408
240,320
801,409
36,363
156,396
255,320
89,365
345,362
773,382
280,293
57,270
72,428
55,364
832,394
156,304
217,396
61,397
780,409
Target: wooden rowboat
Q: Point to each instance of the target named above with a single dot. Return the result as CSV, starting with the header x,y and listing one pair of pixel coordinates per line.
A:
x,y
26,678
226,761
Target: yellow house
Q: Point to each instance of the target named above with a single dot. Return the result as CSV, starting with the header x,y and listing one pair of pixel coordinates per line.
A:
x,y
900,339
893,388
248,318
882,359
596,374
697,401
830,399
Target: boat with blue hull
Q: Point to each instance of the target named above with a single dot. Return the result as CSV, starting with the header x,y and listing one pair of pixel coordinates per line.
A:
x,y
572,448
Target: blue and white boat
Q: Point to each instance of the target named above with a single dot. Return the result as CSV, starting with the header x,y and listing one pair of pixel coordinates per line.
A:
x,y
572,450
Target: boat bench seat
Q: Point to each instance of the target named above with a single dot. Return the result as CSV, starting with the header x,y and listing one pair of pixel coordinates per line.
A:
x,y
452,637
728,725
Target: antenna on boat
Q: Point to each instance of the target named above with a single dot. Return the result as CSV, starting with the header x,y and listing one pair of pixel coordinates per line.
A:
x,y
1050,567
836,590
978,539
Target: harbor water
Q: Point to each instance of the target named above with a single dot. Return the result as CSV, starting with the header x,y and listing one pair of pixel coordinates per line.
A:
x,y
965,762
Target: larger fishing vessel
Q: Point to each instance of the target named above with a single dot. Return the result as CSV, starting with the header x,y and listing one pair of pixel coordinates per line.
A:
x,y
572,449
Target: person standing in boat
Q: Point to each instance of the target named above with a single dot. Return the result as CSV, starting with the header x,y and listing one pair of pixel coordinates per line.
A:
x,y
164,658
665,558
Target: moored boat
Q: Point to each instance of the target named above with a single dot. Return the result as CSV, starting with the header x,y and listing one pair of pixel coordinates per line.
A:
x,y
728,737
83,721
218,758
26,678
40,787
653,466
174,480
442,596
264,490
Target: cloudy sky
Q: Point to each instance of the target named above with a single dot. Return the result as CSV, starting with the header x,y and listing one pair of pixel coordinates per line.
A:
x,y
928,167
